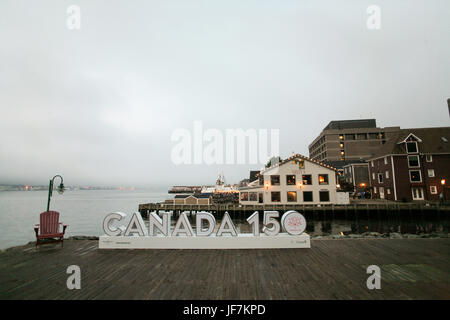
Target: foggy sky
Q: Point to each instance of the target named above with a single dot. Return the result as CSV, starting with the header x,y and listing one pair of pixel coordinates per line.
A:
x,y
98,105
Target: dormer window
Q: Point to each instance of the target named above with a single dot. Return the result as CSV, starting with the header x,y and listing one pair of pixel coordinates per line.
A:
x,y
411,147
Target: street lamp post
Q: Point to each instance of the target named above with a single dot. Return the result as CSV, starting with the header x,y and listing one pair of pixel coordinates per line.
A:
x,y
60,189
443,189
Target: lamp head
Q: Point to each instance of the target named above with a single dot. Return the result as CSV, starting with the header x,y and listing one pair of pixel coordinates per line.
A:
x,y
60,188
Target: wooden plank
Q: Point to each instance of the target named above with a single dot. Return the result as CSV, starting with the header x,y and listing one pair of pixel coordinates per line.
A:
x,y
331,269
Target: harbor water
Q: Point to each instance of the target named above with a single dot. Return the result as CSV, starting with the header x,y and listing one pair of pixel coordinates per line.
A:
x,y
84,210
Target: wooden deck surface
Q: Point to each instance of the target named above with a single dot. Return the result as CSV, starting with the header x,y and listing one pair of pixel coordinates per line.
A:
x,y
331,269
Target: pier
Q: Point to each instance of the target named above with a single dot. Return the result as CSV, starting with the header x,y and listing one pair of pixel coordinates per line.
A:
x,y
331,269
307,210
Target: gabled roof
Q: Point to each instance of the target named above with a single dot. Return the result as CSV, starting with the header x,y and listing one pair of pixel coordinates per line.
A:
x,y
195,195
429,141
297,156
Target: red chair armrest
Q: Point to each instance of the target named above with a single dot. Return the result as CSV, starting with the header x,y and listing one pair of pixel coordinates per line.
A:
x,y
36,230
64,228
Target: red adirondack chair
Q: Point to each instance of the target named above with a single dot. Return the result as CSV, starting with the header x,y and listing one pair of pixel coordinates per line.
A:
x,y
48,231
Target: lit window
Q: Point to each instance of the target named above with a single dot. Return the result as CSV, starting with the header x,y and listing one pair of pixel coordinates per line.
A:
x,y
385,160
292,196
374,189
388,191
387,174
244,196
431,173
306,178
373,176
290,180
414,176
341,145
323,179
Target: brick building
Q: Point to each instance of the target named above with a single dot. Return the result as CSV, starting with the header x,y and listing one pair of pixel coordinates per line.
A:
x,y
346,141
411,165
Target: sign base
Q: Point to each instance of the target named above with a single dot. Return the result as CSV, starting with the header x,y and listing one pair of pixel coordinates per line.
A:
x,y
242,241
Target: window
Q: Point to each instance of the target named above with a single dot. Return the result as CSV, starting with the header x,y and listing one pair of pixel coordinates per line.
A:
x,y
290,180
261,197
244,196
414,176
373,135
411,147
307,196
261,180
373,175
361,136
371,163
388,191
380,178
275,180
431,173
387,174
276,197
324,196
252,196
349,137
413,161
385,160
323,179
417,193
429,158
374,189
307,179
433,190
292,196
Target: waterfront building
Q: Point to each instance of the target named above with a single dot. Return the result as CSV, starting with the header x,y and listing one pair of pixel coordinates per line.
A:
x,y
345,141
357,174
201,198
412,165
296,180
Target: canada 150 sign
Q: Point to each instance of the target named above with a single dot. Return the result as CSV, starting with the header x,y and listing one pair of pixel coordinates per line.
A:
x,y
158,234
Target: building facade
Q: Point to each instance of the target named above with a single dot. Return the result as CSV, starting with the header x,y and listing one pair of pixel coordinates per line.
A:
x,y
357,174
414,165
349,140
296,180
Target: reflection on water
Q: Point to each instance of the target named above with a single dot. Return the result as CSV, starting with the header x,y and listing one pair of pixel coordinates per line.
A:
x,y
84,211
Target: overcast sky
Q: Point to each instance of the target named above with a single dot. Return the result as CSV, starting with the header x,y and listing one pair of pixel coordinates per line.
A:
x,y
99,105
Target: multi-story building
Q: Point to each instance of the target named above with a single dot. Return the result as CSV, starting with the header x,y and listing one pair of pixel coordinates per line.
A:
x,y
345,141
414,164
296,180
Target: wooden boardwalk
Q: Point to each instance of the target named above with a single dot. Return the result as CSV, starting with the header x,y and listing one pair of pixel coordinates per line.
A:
x,y
331,269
